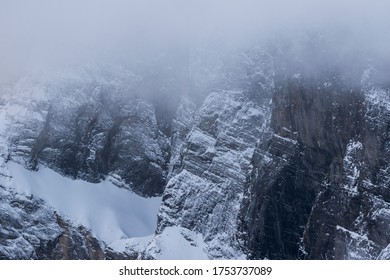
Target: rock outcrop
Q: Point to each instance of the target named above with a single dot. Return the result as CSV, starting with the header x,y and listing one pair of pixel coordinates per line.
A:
x,y
254,157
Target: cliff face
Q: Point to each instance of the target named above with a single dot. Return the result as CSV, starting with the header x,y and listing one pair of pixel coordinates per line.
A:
x,y
87,132
249,160
314,192
205,193
84,128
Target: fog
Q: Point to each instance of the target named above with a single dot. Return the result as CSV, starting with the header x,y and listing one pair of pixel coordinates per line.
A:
x,y
57,33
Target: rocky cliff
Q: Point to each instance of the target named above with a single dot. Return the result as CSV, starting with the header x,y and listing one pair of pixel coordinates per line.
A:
x,y
251,158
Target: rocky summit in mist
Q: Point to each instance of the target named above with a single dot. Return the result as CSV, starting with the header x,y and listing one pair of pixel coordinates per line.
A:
x,y
204,130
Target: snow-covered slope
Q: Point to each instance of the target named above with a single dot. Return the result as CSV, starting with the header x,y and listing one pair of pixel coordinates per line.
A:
x,y
111,213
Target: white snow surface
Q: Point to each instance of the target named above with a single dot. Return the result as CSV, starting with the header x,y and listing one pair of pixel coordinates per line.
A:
x,y
111,213
178,243
352,166
135,244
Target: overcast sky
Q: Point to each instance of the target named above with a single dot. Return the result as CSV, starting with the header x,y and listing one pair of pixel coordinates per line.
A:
x,y
35,33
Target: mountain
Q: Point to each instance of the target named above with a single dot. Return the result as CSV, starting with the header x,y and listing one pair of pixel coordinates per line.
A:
x,y
261,152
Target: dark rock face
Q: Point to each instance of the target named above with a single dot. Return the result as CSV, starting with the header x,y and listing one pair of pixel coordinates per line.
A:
x,y
355,203
315,199
76,243
91,139
128,142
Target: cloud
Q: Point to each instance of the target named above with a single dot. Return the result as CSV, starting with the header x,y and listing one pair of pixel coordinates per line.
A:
x,y
53,32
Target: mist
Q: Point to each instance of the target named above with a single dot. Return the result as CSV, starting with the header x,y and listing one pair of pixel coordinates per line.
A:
x,y
51,34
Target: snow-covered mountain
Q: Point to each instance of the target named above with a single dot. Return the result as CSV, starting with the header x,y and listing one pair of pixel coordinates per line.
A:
x,y
247,154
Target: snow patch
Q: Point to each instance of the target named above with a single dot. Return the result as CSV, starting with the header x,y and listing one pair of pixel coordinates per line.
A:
x,y
352,165
136,244
109,212
177,243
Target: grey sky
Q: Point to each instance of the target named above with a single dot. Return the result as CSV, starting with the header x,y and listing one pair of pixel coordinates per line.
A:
x,y
36,33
